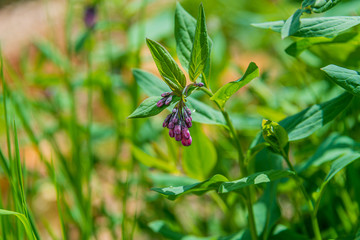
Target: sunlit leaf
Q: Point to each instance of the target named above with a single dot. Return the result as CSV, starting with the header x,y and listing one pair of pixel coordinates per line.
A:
x,y
292,24
148,107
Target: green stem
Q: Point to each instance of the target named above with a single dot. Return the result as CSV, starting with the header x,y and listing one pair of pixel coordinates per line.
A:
x,y
314,221
243,169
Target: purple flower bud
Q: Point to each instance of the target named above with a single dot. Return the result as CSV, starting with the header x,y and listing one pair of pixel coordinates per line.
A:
x,y
177,129
186,142
160,103
178,137
171,133
90,16
185,133
166,121
168,100
165,94
171,125
188,111
200,84
174,110
189,124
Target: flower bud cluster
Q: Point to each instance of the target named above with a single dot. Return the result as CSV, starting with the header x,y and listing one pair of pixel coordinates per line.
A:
x,y
167,98
178,122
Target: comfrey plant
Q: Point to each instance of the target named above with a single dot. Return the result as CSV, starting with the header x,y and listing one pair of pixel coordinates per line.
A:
x,y
271,146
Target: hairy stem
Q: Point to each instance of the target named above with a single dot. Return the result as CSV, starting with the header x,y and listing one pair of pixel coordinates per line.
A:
x,y
314,221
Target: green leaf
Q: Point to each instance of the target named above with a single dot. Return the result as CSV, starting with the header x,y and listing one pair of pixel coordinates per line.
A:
x,y
168,68
292,24
307,3
151,161
199,188
53,54
316,27
203,113
256,178
200,157
22,219
149,83
304,123
200,48
185,26
320,6
345,78
226,91
340,163
332,148
275,135
148,107
283,233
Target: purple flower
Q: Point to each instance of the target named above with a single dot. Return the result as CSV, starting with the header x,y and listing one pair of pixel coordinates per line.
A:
x,y
90,16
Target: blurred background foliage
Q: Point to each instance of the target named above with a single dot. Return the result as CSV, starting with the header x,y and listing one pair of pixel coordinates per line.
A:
x,y
88,170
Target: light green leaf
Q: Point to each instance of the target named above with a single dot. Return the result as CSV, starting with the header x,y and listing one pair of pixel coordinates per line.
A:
x,y
323,5
203,113
226,91
256,178
200,48
292,24
148,107
316,27
275,135
340,163
332,148
199,188
53,54
167,66
185,26
345,78
151,161
23,220
149,83
304,123
200,157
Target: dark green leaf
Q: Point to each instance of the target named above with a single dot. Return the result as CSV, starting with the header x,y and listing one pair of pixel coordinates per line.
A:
x,y
256,178
185,26
167,66
148,108
283,233
200,157
320,6
174,192
304,123
345,78
80,42
292,24
307,3
316,27
149,83
340,163
226,91
200,48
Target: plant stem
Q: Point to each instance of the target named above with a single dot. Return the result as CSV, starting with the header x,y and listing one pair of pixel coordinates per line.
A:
x,y
243,169
314,221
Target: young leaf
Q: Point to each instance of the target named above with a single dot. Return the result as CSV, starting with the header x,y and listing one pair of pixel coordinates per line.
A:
x,y
200,48
317,8
316,27
275,135
256,178
149,83
304,123
225,92
345,78
199,158
148,108
174,192
185,26
292,24
167,66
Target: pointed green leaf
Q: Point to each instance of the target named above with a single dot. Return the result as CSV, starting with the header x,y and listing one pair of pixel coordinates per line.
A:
x,y
148,107
200,157
304,123
316,27
256,178
23,220
168,68
200,48
185,26
199,188
320,6
149,83
292,24
203,113
341,163
345,78
225,92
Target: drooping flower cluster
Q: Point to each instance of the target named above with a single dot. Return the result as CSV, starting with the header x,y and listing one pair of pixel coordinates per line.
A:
x,y
178,122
